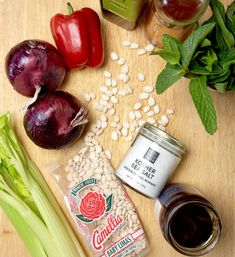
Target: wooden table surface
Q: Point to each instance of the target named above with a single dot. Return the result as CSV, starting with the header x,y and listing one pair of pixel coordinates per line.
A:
x,y
209,163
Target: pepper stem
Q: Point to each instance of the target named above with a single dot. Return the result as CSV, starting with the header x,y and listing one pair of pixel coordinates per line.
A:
x,y
70,8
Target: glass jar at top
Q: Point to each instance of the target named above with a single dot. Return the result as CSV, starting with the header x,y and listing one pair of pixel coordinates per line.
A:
x,y
188,221
150,161
173,17
124,13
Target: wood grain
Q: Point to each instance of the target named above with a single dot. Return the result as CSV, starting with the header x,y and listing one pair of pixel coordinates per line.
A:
x,y
209,163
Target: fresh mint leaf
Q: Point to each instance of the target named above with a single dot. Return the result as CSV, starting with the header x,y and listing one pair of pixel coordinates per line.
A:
x,y
197,69
171,50
213,79
227,58
209,59
170,43
221,87
191,43
219,6
168,56
231,85
197,54
168,77
230,18
219,13
205,43
203,102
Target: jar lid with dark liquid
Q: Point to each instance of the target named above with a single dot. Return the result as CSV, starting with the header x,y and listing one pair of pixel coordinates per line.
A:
x,y
188,221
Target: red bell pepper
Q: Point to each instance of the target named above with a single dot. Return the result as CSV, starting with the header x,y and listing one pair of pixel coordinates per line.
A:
x,y
78,37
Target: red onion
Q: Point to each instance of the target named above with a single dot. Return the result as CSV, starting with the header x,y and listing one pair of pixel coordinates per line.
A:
x,y
55,120
34,63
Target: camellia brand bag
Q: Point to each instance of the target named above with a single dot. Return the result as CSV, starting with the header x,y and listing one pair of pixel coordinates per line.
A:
x,y
98,204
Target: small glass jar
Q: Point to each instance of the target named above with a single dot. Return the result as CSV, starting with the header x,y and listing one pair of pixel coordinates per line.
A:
x,y
188,221
150,161
173,17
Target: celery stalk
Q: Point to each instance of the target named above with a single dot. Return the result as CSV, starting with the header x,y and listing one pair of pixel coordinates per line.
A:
x,y
41,182
24,190
31,219
28,236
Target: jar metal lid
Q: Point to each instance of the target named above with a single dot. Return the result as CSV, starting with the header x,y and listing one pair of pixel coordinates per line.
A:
x,y
164,139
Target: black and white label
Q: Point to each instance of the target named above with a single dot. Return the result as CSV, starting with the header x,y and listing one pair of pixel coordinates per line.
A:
x,y
151,155
147,167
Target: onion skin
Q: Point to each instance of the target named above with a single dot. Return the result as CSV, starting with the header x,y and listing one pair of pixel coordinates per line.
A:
x,y
55,120
34,63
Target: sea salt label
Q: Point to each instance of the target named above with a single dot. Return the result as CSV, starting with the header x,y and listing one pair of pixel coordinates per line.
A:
x,y
147,166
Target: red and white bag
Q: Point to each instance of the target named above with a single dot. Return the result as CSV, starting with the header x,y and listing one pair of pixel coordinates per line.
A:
x,y
99,205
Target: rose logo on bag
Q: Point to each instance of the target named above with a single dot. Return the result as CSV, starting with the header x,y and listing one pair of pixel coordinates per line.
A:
x,y
93,206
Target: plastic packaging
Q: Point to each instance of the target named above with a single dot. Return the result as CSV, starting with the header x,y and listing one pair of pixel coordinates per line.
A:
x,y
99,204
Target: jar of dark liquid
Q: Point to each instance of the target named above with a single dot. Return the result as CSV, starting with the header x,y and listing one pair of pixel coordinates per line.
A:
x,y
173,17
189,222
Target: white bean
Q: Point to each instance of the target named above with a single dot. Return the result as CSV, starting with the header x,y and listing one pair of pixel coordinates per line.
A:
x,y
103,89
142,51
114,135
103,117
104,124
132,115
126,79
141,123
165,119
162,127
141,76
92,95
87,97
126,42
125,69
170,111
143,95
114,56
122,92
121,61
108,154
126,125
138,115
112,111
148,89
108,82
150,113
149,48
156,109
130,89
134,45
114,99
117,118
151,101
129,138
124,132
114,82
105,98
151,120
107,74
137,106
113,124
115,90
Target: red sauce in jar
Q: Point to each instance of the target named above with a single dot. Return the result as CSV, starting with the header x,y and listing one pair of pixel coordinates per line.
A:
x,y
180,10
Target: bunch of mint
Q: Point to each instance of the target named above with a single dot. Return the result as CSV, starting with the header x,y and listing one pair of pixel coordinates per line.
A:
x,y
206,57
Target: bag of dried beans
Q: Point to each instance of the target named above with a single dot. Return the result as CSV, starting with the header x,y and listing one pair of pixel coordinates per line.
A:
x,y
99,205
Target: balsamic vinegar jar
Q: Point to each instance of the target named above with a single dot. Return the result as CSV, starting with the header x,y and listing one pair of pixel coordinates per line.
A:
x,y
188,221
